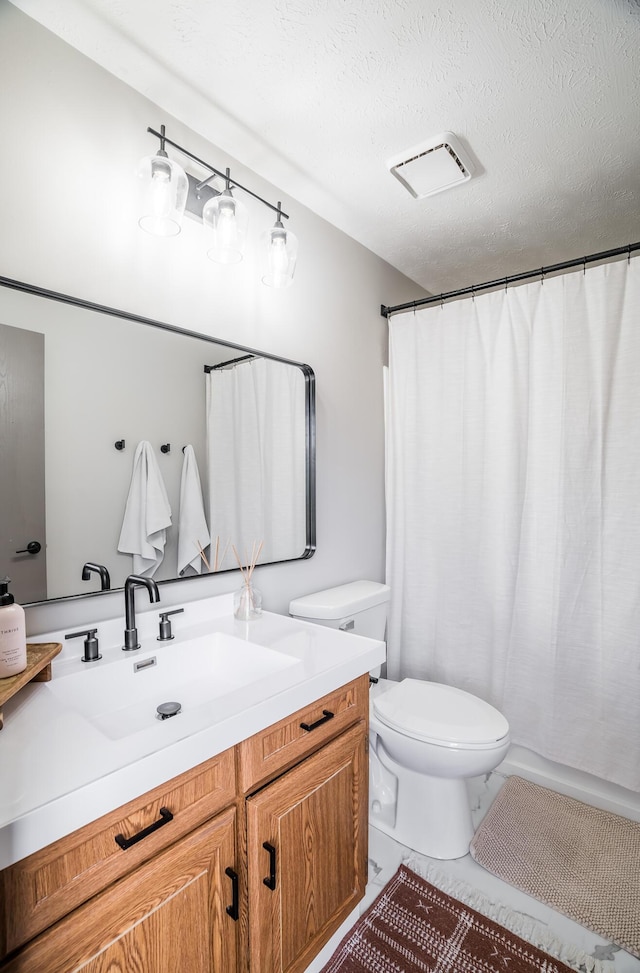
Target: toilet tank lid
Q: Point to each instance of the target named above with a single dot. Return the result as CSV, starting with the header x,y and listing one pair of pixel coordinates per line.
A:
x,y
345,599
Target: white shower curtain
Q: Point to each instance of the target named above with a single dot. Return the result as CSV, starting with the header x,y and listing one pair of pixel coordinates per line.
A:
x,y
513,521
256,459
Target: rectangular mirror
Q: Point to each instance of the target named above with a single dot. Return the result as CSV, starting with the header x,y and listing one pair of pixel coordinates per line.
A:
x,y
82,386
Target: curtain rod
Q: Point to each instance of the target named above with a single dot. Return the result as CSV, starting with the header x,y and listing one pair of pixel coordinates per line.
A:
x,y
226,364
504,281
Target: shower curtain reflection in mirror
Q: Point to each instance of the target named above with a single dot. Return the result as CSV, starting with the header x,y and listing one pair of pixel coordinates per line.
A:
x,y
513,522
256,458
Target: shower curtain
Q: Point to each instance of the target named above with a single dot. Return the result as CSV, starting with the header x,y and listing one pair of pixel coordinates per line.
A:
x,y
513,509
256,460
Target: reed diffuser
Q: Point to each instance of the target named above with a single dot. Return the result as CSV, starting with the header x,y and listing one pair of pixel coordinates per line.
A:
x,y
247,602
217,558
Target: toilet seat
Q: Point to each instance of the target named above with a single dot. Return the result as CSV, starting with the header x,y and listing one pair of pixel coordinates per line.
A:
x,y
441,715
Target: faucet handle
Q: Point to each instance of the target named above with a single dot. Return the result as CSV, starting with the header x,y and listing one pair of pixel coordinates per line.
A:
x,y
165,625
91,653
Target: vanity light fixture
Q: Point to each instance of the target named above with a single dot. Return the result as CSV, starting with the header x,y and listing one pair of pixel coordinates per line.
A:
x,y
280,252
226,220
164,187
168,192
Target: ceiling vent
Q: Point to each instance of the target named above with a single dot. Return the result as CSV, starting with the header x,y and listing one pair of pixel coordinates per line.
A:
x,y
435,165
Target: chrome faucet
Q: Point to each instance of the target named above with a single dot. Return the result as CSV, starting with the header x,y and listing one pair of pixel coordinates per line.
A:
x,y
131,632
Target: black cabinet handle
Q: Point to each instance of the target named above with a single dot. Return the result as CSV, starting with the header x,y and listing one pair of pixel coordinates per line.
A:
x,y
270,882
326,716
232,910
165,817
33,547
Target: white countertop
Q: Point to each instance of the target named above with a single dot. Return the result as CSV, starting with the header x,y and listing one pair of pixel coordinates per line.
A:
x,y
59,771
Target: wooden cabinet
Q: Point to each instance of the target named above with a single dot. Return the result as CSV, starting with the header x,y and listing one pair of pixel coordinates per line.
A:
x,y
168,915
288,805
46,886
306,839
267,754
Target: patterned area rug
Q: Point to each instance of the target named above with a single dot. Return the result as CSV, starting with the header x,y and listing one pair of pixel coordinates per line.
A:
x,y
414,927
580,860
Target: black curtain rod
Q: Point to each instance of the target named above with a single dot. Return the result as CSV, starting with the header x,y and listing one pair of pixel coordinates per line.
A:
x,y
515,278
226,364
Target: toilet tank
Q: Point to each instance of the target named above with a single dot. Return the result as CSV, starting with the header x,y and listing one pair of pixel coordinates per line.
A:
x,y
359,607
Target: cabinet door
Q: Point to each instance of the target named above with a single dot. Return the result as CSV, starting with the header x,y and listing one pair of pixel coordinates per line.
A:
x,y
312,872
168,915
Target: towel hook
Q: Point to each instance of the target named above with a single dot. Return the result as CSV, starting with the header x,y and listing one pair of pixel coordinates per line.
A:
x,y
119,444
166,448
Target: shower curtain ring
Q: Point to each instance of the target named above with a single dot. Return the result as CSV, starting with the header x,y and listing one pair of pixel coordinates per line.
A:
x,y
542,275
584,266
629,255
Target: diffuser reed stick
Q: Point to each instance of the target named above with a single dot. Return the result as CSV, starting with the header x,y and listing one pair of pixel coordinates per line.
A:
x,y
248,567
218,560
203,556
248,602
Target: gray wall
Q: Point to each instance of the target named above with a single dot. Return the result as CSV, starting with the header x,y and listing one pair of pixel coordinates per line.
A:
x,y
72,138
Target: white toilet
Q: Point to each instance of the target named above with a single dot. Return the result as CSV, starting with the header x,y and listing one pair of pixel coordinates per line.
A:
x,y
426,738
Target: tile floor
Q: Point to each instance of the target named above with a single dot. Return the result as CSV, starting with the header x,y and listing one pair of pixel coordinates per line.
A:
x,y
385,855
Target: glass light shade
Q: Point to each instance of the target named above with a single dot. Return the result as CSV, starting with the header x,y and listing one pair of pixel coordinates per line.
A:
x,y
225,219
279,253
164,187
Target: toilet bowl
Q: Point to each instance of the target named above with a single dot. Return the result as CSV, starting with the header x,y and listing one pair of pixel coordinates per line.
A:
x,y
426,739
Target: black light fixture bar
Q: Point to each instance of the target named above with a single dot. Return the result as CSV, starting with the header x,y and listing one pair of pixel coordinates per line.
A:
x,y
214,172
386,312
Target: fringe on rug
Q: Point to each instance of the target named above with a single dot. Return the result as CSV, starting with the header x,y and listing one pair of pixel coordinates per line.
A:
x,y
532,930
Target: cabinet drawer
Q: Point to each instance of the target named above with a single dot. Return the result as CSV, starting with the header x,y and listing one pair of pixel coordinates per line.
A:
x,y
168,916
52,882
265,755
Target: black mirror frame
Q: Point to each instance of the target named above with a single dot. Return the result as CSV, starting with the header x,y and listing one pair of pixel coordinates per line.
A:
x,y
310,412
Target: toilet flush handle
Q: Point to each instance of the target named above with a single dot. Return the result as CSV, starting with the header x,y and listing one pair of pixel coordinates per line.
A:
x,y
347,626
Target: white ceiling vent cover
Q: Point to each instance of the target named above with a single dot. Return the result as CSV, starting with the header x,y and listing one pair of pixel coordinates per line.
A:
x,y
435,165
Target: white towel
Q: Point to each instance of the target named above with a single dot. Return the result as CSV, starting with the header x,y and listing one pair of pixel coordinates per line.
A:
x,y
147,514
193,525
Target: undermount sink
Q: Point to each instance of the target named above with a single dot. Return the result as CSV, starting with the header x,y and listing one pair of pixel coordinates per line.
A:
x,y
218,673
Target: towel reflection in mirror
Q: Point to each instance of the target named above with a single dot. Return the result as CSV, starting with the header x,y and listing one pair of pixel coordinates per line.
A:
x,y
193,533
147,514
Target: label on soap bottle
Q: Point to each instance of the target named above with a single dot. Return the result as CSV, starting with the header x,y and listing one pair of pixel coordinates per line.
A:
x,y
13,642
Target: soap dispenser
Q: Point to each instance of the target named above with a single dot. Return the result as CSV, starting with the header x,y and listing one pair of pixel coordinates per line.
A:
x,y
13,641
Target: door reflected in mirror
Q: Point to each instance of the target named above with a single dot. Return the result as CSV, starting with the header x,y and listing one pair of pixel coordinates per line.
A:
x,y
72,426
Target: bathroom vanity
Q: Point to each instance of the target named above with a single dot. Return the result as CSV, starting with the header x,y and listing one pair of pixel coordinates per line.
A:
x,y
232,837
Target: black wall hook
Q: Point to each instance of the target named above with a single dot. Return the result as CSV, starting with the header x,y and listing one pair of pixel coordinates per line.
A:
x,y
166,448
119,444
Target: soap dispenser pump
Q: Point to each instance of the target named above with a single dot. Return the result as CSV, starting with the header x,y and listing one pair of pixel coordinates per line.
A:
x,y
13,641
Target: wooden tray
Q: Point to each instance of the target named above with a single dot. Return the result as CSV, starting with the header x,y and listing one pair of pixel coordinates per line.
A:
x,y
39,656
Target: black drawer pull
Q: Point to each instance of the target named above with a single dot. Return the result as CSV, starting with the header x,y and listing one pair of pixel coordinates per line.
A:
x,y
326,716
270,882
165,817
232,910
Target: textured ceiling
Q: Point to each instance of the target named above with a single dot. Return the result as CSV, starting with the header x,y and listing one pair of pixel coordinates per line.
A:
x,y
316,95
